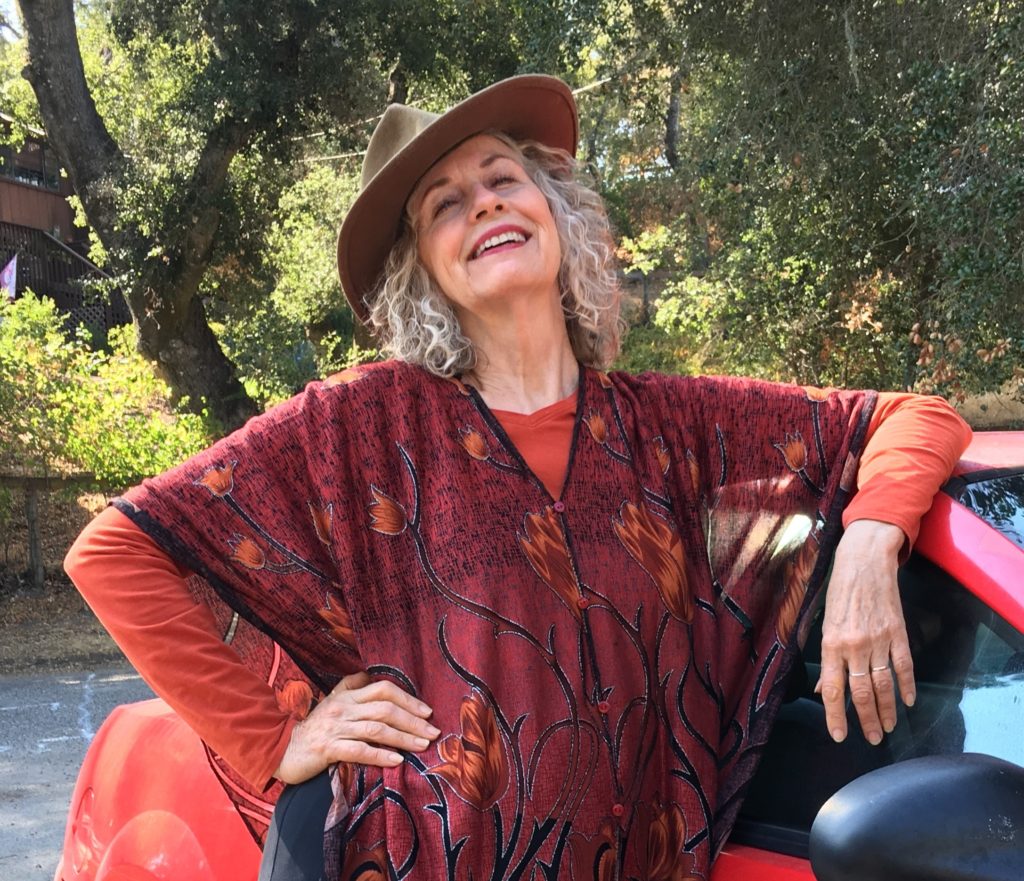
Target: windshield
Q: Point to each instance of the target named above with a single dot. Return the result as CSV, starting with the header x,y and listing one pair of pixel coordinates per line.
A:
x,y
1000,502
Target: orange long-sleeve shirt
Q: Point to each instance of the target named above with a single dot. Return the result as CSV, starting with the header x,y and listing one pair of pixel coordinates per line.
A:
x,y
140,595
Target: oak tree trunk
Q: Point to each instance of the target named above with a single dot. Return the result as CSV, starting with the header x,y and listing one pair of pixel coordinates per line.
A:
x,y
162,271
672,120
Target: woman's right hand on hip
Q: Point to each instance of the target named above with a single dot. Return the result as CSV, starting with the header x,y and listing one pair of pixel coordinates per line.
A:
x,y
362,721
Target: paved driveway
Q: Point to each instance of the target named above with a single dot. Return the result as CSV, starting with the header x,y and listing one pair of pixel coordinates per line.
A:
x,y
46,724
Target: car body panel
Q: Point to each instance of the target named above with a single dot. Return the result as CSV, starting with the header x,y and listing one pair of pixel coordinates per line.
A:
x,y
147,805
992,450
737,862
987,563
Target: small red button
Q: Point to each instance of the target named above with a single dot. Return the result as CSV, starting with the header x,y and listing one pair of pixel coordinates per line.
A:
x,y
618,809
559,506
582,602
603,706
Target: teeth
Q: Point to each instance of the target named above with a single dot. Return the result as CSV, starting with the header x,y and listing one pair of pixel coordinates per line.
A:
x,y
494,241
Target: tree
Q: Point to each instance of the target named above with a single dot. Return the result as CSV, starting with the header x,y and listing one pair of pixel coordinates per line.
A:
x,y
158,217
180,131
844,203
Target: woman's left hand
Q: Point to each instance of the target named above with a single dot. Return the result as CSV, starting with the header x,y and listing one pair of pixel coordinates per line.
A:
x,y
864,645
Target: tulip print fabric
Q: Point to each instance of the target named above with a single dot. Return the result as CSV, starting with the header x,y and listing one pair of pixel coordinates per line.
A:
x,y
604,666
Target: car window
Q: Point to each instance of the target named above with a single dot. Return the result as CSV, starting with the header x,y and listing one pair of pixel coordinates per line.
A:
x,y
999,501
969,666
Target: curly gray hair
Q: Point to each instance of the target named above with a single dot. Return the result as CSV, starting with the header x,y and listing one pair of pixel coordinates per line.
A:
x,y
415,322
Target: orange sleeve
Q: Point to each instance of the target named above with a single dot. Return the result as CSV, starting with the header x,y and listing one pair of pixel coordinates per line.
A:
x,y
913,443
139,594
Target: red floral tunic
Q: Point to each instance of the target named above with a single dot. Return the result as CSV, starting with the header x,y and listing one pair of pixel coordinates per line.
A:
x,y
604,666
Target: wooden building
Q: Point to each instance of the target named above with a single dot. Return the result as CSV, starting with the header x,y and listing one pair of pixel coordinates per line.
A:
x,y
37,224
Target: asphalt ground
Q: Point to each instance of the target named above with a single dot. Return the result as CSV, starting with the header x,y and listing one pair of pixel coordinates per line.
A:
x,y
47,721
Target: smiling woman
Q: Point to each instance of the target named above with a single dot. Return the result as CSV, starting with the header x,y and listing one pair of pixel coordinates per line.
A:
x,y
417,322
588,582
485,235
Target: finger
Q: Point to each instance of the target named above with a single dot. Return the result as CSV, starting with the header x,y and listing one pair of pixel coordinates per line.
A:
x,y
398,718
352,682
903,668
382,734
364,754
832,687
885,693
862,694
383,690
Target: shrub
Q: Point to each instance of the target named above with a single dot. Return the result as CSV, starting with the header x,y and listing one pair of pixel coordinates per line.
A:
x,y
65,408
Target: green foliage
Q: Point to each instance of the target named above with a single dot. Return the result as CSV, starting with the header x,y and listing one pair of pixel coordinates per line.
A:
x,y
847,200
301,244
831,193
651,347
294,326
16,98
273,357
40,373
126,427
65,408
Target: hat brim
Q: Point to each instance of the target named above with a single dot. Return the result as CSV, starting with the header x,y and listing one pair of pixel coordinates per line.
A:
x,y
538,108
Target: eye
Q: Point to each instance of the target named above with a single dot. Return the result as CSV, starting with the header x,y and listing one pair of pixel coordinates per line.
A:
x,y
442,205
503,178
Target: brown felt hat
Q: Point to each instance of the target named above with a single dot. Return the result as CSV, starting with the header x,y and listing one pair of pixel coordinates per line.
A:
x,y
408,141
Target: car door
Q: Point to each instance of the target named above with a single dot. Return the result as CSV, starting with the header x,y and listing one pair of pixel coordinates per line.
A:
x,y
969,666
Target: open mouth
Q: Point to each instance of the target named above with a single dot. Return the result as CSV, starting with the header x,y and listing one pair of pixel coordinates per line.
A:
x,y
508,237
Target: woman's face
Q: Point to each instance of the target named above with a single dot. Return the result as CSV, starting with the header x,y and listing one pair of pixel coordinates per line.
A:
x,y
485,232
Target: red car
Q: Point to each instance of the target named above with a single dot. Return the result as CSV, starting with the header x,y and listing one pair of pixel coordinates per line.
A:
x,y
147,805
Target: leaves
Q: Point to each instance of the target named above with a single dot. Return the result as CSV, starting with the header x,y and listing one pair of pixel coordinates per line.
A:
x,y
67,409
797,186
843,174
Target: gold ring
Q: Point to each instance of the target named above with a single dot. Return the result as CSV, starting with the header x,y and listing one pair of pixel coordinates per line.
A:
x,y
852,674
884,669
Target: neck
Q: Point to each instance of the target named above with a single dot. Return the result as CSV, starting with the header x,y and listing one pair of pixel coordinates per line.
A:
x,y
524,360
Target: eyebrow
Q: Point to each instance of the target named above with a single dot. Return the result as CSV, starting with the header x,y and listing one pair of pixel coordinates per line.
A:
x,y
444,181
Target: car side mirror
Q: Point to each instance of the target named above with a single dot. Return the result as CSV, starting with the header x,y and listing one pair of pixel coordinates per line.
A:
x,y
955,817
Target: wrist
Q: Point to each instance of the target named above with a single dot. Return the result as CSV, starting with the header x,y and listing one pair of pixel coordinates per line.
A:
x,y
877,534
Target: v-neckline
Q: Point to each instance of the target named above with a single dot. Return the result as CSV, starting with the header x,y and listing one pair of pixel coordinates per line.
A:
x,y
539,417
499,432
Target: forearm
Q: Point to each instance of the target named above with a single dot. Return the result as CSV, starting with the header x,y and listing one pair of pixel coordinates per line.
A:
x,y
913,445
140,595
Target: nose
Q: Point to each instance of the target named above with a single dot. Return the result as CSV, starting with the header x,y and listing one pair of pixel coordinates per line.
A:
x,y
485,201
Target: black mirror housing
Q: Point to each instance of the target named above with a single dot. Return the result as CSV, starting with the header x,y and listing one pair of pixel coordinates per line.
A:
x,y
954,817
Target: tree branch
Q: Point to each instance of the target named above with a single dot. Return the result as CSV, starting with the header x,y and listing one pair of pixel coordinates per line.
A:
x,y
200,226
672,119
5,25
93,160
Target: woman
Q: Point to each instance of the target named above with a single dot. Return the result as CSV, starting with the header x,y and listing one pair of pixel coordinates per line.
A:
x,y
547,610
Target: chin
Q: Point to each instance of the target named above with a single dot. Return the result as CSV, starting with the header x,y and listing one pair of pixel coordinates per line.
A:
x,y
516,288
514,276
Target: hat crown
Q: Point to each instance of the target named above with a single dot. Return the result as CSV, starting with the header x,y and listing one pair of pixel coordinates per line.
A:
x,y
398,126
